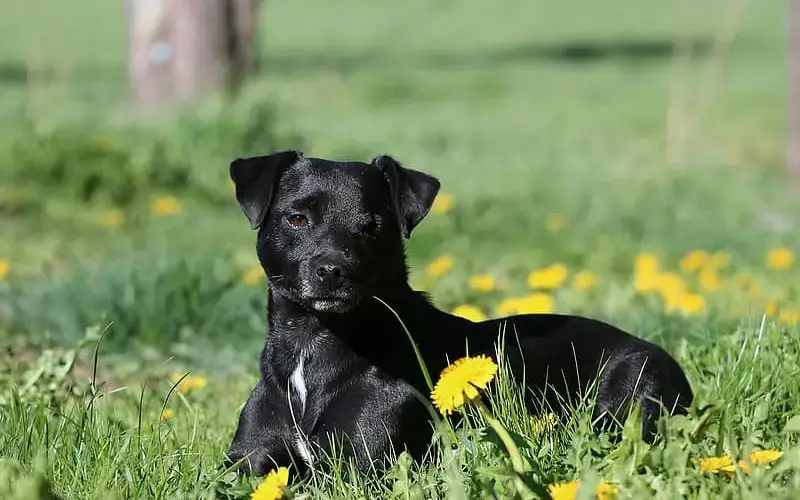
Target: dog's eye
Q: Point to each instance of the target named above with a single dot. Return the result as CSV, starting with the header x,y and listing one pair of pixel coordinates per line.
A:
x,y
297,221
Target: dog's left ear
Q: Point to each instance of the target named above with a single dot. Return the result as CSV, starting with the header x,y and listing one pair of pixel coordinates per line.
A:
x,y
412,191
256,179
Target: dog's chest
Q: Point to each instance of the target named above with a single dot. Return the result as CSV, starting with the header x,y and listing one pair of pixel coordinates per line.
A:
x,y
298,382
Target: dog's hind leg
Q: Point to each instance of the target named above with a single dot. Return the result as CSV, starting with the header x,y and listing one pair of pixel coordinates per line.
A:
x,y
645,388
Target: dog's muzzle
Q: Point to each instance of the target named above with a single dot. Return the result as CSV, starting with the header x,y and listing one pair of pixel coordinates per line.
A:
x,y
329,287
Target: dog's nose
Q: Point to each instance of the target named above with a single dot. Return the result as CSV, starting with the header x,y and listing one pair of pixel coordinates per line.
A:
x,y
330,275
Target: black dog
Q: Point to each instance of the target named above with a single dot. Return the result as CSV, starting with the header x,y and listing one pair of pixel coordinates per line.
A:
x,y
337,368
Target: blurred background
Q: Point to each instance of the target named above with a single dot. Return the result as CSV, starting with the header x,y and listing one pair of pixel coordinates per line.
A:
x,y
574,139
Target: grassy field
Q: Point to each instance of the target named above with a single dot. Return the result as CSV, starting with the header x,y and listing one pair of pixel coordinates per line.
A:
x,y
616,159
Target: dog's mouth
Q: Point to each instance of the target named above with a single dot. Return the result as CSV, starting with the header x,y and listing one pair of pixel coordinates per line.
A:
x,y
331,304
319,299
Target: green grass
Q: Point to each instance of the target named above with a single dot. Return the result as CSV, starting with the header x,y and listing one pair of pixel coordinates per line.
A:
x,y
522,109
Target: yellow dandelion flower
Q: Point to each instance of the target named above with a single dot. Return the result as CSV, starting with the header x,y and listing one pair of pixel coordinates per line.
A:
x,y
166,206
772,307
646,271
694,261
555,222
440,266
197,383
459,382
715,464
272,487
709,280
253,276
4,267
167,414
482,282
691,303
725,465
584,281
536,303
471,313
645,282
646,262
606,491
112,219
548,278
508,306
564,491
190,383
569,491
443,203
765,457
669,284
543,423
789,317
780,259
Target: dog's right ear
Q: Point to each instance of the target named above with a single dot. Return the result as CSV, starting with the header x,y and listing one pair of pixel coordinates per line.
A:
x,y
256,180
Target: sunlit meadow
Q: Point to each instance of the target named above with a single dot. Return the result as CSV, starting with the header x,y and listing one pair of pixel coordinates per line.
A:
x,y
621,161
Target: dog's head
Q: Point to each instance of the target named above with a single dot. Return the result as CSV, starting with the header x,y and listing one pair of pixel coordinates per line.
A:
x,y
331,233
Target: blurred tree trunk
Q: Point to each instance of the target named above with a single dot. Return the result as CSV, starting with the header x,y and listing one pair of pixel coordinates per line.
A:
x,y
200,41
793,140
243,40
180,50
149,53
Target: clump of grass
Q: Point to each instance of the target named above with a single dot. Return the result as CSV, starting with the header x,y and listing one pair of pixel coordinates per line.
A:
x,y
156,300
118,443
88,160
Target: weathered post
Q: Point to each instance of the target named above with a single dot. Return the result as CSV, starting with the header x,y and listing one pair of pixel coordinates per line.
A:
x,y
179,50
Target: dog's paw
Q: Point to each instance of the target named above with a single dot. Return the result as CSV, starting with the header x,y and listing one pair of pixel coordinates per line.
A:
x,y
255,463
249,464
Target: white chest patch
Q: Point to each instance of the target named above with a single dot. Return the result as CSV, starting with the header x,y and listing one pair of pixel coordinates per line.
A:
x,y
299,384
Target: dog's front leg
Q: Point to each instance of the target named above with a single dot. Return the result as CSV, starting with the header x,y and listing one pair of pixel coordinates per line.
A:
x,y
263,437
373,422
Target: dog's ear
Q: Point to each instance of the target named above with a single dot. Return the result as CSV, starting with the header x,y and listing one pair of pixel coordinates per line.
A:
x,y
256,180
412,192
